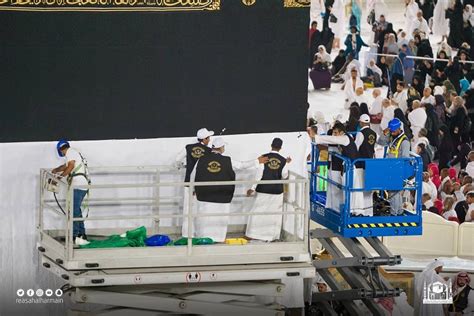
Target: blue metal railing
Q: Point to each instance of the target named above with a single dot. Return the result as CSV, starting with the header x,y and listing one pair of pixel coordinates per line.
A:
x,y
384,174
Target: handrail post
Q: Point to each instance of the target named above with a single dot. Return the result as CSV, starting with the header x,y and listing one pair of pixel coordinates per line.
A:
x,y
70,217
190,218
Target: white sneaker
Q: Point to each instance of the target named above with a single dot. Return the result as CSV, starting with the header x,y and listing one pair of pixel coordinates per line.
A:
x,y
80,242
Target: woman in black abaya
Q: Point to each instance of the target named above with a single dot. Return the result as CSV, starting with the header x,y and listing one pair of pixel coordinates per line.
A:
x,y
455,15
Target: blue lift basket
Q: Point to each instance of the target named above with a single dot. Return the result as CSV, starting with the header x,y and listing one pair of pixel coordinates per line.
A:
x,y
381,174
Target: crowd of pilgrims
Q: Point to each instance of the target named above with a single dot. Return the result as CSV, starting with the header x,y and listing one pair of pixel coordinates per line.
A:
x,y
433,96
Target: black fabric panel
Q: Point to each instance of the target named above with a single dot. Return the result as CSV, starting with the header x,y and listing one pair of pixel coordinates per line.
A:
x,y
84,75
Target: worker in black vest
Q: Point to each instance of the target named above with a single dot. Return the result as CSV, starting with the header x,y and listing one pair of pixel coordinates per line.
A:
x,y
348,149
463,295
269,197
216,199
192,153
365,141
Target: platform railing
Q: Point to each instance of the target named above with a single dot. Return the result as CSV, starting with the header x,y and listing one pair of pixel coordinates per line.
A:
x,y
297,197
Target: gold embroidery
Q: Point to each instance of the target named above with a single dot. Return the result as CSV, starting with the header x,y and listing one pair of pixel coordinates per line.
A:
x,y
214,167
109,5
197,152
248,2
371,139
274,163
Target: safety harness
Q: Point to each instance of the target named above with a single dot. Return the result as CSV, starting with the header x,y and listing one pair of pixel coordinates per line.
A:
x,y
395,145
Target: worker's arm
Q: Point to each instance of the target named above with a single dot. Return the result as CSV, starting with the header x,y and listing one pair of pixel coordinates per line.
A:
x,y
240,165
285,173
60,168
69,168
359,139
404,151
383,140
179,158
332,140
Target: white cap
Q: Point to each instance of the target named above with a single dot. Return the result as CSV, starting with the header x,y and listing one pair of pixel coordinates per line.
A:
x,y
364,118
204,133
218,142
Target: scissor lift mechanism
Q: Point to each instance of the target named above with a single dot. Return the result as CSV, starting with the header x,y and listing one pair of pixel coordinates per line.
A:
x,y
360,269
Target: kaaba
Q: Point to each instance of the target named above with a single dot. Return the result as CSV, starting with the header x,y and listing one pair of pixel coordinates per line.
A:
x,y
122,69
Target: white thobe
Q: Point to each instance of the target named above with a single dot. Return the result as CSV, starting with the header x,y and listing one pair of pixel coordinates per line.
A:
x,y
215,227
374,109
430,99
266,227
430,188
421,26
179,163
401,99
349,90
427,277
410,15
417,119
388,114
366,207
338,10
470,168
440,23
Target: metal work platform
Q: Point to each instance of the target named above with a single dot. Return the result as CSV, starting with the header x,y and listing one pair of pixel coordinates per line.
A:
x,y
249,278
381,175
158,205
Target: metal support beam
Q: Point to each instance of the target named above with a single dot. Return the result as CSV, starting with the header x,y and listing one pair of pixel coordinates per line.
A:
x,y
163,302
359,270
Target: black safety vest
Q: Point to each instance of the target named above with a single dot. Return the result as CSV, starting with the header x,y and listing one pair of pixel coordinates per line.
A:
x,y
460,300
272,170
366,149
214,167
349,151
193,153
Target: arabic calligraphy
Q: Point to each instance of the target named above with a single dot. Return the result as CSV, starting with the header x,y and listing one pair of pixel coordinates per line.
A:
x,y
110,5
